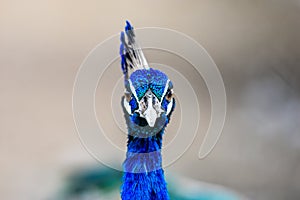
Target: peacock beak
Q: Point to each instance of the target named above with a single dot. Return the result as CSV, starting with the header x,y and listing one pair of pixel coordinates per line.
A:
x,y
150,113
150,116
150,108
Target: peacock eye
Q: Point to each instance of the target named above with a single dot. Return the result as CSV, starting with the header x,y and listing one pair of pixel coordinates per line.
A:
x,y
169,95
127,95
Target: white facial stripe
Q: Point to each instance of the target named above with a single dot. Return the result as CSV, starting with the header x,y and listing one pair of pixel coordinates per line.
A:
x,y
127,106
170,105
166,89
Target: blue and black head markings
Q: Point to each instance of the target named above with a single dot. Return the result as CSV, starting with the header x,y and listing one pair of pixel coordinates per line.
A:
x,y
152,79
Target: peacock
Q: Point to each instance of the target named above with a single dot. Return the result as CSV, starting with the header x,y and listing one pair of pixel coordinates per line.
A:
x,y
148,103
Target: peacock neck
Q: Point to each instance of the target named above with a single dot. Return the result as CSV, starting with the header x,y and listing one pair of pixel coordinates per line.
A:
x,y
145,144
143,153
144,176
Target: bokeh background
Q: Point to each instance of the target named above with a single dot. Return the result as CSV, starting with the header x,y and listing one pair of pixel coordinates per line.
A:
x,y
255,44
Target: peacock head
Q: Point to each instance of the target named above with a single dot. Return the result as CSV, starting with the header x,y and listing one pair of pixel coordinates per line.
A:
x,y
148,95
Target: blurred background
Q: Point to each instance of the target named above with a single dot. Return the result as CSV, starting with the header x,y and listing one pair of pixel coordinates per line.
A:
x,y
255,44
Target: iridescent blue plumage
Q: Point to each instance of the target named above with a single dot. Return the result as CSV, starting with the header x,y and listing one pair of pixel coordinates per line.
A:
x,y
152,79
147,105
